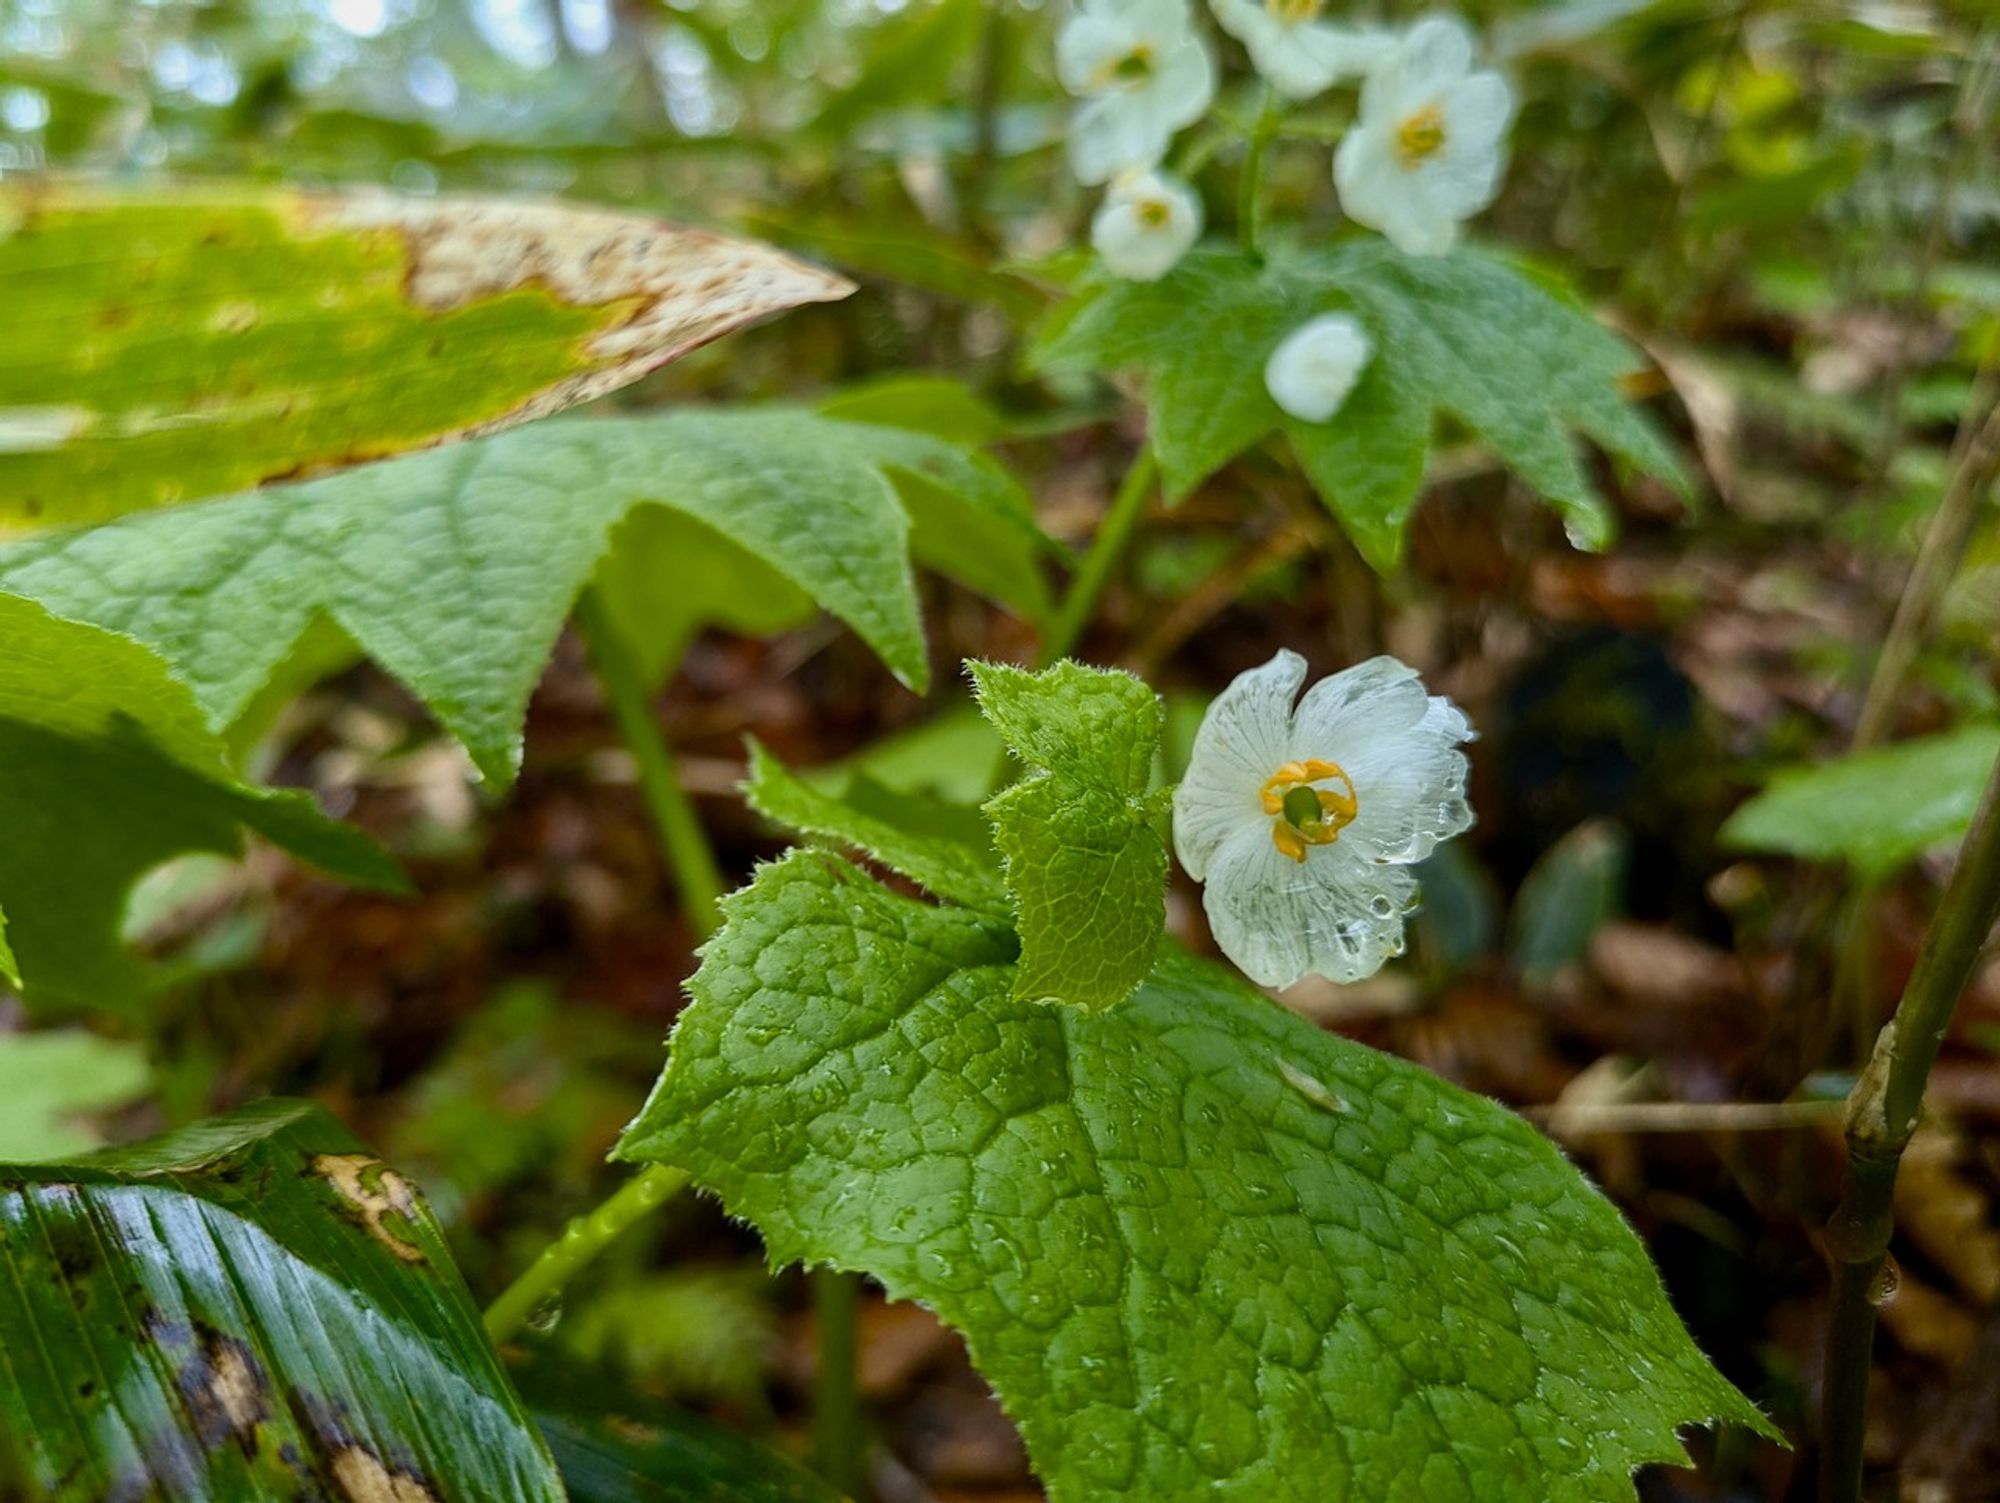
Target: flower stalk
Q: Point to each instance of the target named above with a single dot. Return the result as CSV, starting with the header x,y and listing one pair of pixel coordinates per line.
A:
x,y
1881,1117
1250,190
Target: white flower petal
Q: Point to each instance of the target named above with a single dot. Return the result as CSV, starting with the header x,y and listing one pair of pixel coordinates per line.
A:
x,y
1436,53
1110,136
1419,202
1343,52
1147,223
1089,46
1465,176
1399,746
1186,84
1313,369
1243,739
1336,914
1366,176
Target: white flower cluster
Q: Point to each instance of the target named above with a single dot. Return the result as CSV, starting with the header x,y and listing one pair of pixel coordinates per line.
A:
x,y
1424,155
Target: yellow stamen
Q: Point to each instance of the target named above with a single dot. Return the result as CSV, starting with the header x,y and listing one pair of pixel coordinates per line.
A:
x,y
1295,12
1420,136
1292,832
1153,213
1135,66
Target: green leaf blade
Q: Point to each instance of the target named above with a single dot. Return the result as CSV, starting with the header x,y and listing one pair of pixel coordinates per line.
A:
x,y
1878,809
110,771
455,569
951,867
253,1307
1196,1245
1466,334
1084,864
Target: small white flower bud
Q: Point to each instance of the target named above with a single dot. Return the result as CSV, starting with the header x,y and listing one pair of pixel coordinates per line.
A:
x,y
1310,374
1146,225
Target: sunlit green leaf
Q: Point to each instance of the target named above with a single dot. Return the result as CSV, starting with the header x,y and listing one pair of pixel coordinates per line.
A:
x,y
166,344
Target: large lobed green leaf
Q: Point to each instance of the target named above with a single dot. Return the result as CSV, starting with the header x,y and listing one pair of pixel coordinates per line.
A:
x,y
107,768
1465,335
455,569
1877,809
253,1307
1198,1246
164,345
1085,865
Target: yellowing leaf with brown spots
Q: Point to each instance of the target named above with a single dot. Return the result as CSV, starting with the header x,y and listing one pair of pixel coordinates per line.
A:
x,y
252,1307
162,345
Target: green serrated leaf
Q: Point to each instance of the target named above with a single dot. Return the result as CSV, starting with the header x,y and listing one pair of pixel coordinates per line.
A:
x,y
1198,1246
166,345
904,833
1879,810
50,1080
1085,866
1464,334
455,569
109,770
253,1307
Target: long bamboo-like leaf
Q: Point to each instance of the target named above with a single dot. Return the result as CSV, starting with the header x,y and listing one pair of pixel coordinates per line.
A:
x,y
254,1307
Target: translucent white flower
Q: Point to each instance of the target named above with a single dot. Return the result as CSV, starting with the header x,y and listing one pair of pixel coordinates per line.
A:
x,y
1304,822
1299,53
1310,374
1143,72
1147,223
1430,144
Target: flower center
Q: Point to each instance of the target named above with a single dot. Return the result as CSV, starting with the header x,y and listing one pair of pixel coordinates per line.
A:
x,y
1153,213
1420,136
1302,815
1294,12
1135,67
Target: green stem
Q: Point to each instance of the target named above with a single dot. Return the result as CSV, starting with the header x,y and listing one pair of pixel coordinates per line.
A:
x,y
700,881
582,1240
1091,577
688,853
1250,190
837,1449
1881,1117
